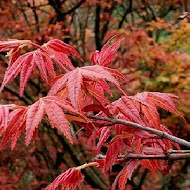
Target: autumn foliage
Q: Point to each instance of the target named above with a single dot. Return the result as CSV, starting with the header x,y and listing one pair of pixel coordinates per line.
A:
x,y
96,119
79,90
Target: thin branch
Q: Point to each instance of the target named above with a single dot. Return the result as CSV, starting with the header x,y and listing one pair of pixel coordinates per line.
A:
x,y
86,165
178,151
35,15
157,132
59,10
161,134
125,14
25,17
74,8
170,157
97,27
167,156
106,23
139,187
152,12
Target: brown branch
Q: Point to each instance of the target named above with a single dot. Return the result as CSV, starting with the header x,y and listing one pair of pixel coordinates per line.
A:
x,y
161,134
25,17
74,8
142,179
157,132
168,156
97,27
106,23
152,12
125,14
35,14
59,10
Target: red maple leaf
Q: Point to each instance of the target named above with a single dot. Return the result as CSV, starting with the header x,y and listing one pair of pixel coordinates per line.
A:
x,y
125,174
41,58
106,55
7,45
14,47
105,132
70,179
53,107
16,125
114,149
77,81
28,118
165,101
142,108
4,117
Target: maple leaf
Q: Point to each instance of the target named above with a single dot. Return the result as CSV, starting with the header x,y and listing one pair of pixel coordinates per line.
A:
x,y
35,115
53,107
4,116
115,147
106,55
105,132
150,165
95,92
136,110
94,107
127,106
142,108
40,58
7,45
13,46
59,51
28,118
165,101
13,55
125,174
25,65
15,126
70,179
61,47
76,80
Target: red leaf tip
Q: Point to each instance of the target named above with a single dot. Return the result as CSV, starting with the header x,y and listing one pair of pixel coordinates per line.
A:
x,y
107,54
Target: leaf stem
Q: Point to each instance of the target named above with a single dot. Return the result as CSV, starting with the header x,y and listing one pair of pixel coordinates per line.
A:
x,y
87,165
35,45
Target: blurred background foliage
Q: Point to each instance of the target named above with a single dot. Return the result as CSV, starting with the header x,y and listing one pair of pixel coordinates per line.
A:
x,y
154,56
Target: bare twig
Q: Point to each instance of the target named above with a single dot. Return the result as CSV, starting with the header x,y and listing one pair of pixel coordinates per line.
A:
x,y
161,134
97,27
125,14
167,156
157,132
74,8
59,10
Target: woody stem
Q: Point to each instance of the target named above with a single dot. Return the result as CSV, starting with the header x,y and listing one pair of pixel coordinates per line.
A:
x,y
87,165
